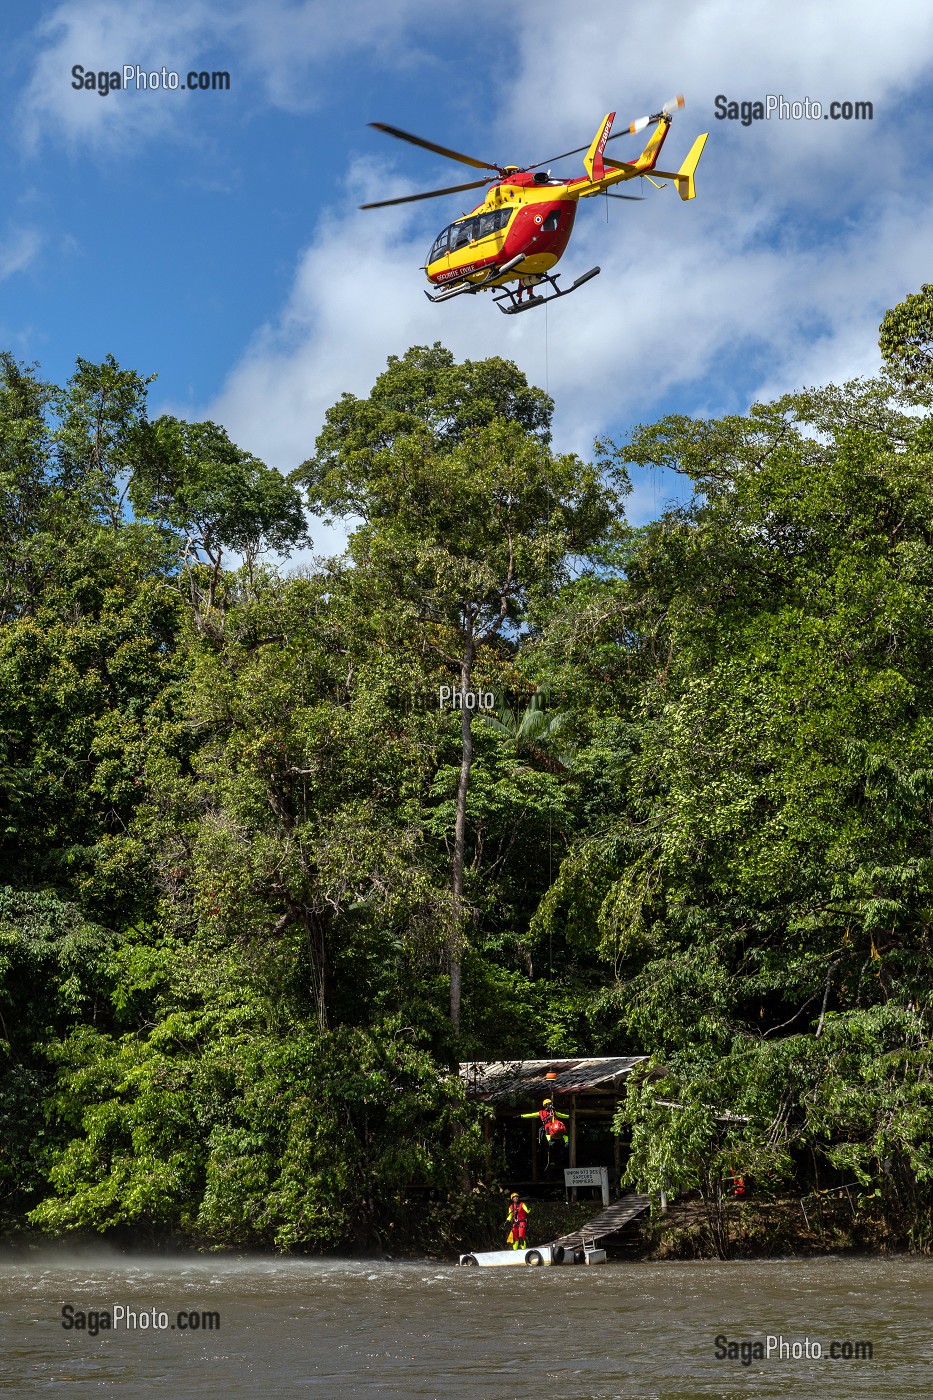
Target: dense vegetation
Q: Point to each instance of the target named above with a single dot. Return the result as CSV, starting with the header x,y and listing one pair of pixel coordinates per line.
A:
x,y
259,890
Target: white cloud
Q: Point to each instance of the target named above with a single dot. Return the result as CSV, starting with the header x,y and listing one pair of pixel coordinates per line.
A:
x,y
102,35
354,294
283,43
17,250
279,53
717,46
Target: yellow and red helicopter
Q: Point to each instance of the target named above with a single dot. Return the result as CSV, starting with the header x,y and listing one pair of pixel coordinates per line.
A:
x,y
521,229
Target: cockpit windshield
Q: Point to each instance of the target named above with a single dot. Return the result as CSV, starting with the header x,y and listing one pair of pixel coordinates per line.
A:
x,y
466,231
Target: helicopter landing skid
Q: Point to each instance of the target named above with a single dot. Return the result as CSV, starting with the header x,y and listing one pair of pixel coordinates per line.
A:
x,y
459,289
514,294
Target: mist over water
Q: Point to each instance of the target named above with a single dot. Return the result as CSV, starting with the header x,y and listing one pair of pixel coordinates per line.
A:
x,y
340,1328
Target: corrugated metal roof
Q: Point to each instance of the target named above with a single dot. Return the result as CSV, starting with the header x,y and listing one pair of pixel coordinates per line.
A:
x,y
495,1080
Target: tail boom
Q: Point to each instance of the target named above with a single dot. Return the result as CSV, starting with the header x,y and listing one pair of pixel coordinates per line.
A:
x,y
603,172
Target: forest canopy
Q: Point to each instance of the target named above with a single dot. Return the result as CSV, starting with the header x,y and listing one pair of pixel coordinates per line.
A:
x,y
261,888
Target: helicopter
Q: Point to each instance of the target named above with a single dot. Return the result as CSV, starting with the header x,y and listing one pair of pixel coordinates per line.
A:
x,y
510,242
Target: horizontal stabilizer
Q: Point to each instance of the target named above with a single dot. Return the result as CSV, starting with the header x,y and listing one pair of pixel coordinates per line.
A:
x,y
683,177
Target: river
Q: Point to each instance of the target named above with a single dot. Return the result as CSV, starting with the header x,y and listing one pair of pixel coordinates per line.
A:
x,y
340,1329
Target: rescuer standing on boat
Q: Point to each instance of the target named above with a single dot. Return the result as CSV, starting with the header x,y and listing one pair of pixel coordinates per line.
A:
x,y
518,1220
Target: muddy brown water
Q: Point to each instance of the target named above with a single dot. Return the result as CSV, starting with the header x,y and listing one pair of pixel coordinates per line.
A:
x,y
352,1329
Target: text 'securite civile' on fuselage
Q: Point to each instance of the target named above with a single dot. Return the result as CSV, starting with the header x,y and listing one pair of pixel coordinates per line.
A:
x,y
511,242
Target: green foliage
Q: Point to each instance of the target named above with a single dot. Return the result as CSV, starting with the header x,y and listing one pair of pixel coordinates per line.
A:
x,y
789,703
215,496
86,678
53,973
100,416
906,341
855,1104
213,1128
28,496
422,403
469,521
248,855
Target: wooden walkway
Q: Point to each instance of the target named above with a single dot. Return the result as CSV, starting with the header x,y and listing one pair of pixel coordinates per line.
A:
x,y
614,1217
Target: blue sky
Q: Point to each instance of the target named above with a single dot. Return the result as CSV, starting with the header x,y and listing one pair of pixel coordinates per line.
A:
x,y
214,238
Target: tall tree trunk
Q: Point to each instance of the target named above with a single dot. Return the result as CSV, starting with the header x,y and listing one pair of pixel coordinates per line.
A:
x,y
463,786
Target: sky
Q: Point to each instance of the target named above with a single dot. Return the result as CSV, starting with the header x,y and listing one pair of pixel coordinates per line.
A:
x,y
212,237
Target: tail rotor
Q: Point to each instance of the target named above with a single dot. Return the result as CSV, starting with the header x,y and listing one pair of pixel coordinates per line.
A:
x,y
666,111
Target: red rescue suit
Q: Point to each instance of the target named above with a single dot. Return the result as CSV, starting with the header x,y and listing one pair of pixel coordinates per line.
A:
x,y
518,1219
551,1124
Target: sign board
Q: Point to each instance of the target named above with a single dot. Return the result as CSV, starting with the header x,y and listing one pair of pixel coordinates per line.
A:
x,y
588,1176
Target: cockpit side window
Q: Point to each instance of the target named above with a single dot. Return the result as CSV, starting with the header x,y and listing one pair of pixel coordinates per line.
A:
x,y
468,230
491,221
440,246
462,233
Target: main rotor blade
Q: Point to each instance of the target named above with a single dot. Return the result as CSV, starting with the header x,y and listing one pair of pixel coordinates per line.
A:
x,y
609,195
553,159
439,150
429,194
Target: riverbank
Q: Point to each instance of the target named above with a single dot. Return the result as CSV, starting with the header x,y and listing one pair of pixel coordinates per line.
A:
x,y
751,1230
832,1224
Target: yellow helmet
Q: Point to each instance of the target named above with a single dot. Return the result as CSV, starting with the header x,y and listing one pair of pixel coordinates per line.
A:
x,y
547,1101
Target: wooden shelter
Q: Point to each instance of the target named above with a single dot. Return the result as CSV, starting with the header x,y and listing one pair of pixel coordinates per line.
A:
x,y
586,1094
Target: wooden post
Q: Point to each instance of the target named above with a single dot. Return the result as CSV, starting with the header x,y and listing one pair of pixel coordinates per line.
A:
x,y
534,1150
617,1162
573,1140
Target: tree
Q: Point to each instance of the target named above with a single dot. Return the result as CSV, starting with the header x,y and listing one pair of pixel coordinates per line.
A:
x,y
215,496
424,399
764,892
100,414
27,484
53,974
533,730
466,516
906,341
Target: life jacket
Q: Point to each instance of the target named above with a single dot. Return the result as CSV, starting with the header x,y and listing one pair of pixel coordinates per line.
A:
x,y
518,1215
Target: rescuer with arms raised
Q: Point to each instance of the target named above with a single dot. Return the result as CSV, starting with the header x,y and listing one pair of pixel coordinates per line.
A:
x,y
552,1129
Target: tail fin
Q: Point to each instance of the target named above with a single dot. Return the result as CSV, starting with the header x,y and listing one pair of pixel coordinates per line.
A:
x,y
593,160
684,177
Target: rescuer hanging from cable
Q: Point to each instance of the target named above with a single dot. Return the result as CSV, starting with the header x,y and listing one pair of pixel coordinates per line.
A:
x,y
552,1129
